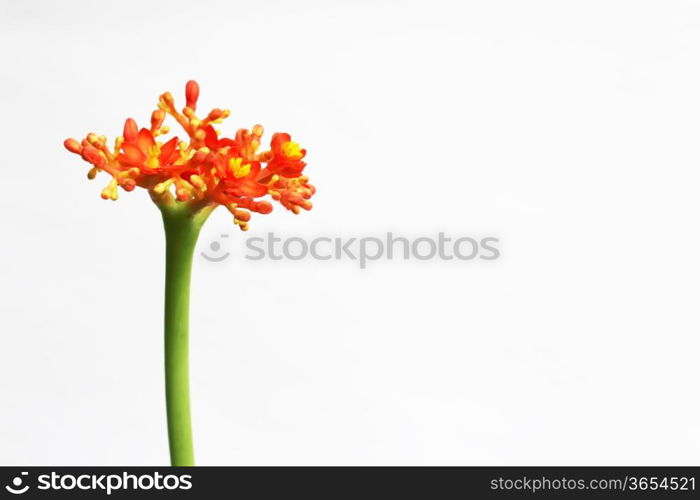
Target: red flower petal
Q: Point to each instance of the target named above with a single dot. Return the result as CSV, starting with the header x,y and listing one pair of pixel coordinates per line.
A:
x,y
145,140
133,154
251,188
278,140
167,150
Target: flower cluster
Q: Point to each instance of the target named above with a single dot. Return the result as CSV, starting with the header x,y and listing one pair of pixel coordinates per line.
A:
x,y
209,169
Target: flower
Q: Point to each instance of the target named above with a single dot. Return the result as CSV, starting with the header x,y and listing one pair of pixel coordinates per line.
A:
x,y
208,170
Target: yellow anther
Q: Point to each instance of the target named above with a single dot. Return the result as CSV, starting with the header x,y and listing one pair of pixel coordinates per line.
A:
x,y
291,150
238,168
185,154
152,156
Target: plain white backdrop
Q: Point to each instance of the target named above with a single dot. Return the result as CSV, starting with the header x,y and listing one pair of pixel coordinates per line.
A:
x,y
569,130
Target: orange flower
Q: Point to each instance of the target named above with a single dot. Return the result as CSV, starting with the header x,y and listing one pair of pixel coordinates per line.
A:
x,y
285,157
208,170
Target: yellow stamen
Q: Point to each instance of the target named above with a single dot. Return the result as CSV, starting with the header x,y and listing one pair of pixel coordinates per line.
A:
x,y
291,150
238,168
153,154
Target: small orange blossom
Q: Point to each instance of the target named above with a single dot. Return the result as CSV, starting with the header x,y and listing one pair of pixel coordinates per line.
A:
x,y
209,169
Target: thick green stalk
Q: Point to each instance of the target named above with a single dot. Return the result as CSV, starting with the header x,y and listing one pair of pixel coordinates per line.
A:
x,y
182,225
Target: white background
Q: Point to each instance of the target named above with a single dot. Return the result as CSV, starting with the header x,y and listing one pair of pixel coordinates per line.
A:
x,y
570,130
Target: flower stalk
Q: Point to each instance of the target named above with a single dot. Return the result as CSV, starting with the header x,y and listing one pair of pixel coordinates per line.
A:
x,y
182,226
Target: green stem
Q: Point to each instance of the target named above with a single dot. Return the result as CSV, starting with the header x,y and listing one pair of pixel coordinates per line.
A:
x,y
182,225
